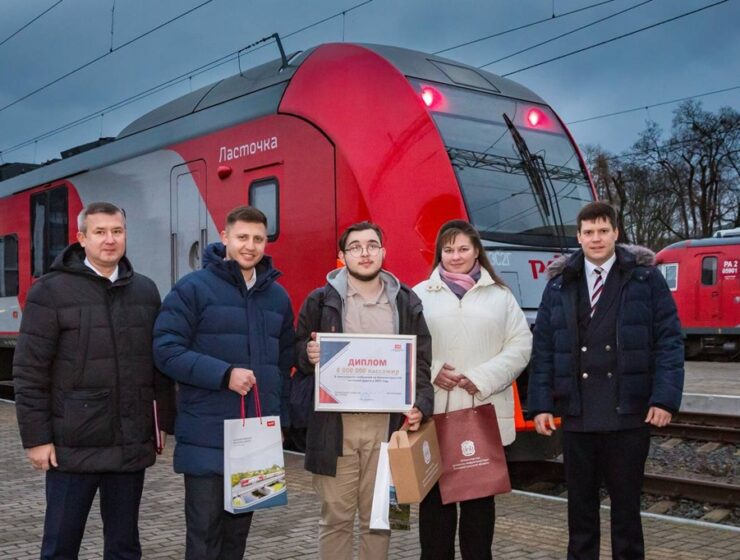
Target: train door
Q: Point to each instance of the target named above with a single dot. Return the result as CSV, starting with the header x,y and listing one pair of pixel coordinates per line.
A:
x,y
188,218
708,309
295,188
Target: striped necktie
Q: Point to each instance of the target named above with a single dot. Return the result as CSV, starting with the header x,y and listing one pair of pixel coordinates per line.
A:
x,y
598,288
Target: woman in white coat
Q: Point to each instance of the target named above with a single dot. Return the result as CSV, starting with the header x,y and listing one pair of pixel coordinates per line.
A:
x,y
480,345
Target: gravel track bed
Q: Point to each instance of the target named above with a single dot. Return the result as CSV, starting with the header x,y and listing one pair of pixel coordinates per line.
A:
x,y
691,459
674,457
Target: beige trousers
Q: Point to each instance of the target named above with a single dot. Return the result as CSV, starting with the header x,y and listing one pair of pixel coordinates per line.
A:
x,y
352,490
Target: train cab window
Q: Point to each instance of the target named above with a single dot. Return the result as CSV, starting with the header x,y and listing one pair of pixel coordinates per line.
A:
x,y
670,273
263,194
49,227
709,271
8,265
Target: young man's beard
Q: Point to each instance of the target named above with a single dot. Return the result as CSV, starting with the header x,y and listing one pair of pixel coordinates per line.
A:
x,y
363,277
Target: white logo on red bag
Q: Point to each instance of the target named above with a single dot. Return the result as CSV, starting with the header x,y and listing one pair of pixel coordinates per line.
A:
x,y
468,448
427,452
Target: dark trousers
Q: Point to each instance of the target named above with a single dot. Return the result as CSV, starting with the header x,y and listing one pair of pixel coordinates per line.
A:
x,y
69,497
212,532
438,522
617,458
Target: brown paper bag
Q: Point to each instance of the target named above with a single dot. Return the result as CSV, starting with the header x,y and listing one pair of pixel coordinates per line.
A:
x,y
415,462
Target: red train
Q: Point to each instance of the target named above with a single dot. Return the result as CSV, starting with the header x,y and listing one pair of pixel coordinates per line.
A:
x,y
318,140
704,277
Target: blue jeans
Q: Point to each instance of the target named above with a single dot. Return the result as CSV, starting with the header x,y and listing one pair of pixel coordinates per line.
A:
x,y
69,497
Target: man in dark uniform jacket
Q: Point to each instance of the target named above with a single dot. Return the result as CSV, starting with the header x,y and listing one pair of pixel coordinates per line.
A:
x,y
608,358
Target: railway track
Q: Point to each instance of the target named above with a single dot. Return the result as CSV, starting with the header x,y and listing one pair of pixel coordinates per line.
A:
x,y
703,427
705,491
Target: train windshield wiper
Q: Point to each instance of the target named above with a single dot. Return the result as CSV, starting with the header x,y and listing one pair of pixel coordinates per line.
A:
x,y
540,182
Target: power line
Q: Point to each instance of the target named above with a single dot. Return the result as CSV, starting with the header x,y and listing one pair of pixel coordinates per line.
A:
x,y
525,26
669,147
659,104
581,28
97,59
168,83
600,43
38,17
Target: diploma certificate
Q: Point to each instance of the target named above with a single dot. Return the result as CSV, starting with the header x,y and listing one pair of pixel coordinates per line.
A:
x,y
365,373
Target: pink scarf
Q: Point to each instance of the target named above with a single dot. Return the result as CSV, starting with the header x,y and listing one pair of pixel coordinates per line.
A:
x,y
460,283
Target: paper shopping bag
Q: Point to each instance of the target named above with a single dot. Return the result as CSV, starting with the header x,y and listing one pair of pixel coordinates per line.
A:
x,y
254,469
473,460
415,462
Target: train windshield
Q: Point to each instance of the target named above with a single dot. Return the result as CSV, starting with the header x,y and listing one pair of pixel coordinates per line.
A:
x,y
521,180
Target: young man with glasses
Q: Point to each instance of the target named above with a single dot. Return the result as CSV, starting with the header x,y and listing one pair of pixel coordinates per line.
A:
x,y
342,449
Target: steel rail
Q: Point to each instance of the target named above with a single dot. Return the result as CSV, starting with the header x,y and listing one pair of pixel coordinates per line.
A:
x,y
699,490
703,427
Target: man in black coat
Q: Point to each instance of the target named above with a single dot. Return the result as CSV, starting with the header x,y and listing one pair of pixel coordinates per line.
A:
x,y
607,357
87,395
342,449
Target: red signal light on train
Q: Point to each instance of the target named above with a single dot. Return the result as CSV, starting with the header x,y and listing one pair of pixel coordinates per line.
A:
x,y
535,117
430,96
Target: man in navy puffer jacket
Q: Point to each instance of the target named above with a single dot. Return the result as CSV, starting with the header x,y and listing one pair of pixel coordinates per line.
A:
x,y
608,358
221,330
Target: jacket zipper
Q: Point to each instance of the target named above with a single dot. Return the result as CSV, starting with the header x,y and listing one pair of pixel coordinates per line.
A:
x,y
118,387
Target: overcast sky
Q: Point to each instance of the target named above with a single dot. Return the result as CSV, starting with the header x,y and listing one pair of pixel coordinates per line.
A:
x,y
693,55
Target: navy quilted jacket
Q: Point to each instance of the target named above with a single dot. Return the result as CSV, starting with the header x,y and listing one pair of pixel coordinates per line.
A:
x,y
650,358
208,324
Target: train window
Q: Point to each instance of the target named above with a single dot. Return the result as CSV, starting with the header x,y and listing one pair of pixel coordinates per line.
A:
x,y
49,227
709,271
263,194
501,199
8,265
670,273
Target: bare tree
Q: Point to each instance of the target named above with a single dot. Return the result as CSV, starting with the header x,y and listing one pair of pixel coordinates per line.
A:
x,y
685,187
699,164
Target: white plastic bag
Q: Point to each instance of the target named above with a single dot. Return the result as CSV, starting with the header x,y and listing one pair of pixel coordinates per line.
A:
x,y
381,492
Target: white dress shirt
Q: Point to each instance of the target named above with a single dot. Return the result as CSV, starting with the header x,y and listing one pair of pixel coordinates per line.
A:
x,y
113,277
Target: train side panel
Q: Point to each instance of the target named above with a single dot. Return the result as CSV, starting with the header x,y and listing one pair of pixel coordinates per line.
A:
x,y
704,277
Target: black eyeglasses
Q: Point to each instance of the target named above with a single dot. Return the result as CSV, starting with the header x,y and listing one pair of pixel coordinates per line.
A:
x,y
372,249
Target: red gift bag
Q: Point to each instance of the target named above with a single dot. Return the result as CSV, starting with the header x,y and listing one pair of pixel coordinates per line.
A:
x,y
473,460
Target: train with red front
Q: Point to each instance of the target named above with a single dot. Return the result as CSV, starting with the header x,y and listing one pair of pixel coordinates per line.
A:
x,y
704,277
317,140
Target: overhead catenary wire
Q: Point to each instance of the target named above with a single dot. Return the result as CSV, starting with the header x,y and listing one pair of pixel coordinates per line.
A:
x,y
102,56
606,41
650,106
171,82
34,20
520,27
580,28
232,56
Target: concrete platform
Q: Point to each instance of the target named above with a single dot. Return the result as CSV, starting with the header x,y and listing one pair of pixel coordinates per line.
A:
x,y
526,526
712,387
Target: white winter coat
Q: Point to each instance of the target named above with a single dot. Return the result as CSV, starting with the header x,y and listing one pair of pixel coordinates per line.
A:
x,y
484,336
